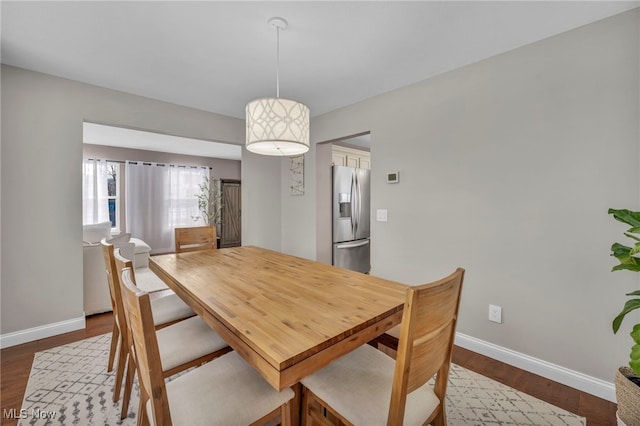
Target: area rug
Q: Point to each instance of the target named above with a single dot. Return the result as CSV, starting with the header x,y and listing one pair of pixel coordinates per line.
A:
x,y
69,385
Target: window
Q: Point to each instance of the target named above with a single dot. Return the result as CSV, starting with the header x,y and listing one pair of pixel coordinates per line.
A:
x,y
95,207
159,198
113,193
101,192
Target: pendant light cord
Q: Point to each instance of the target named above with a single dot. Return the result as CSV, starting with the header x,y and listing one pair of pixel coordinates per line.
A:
x,y
277,62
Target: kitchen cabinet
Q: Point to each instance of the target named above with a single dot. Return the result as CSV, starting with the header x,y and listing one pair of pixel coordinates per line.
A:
x,y
349,157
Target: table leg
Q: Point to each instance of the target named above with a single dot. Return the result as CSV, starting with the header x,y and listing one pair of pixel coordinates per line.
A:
x,y
296,405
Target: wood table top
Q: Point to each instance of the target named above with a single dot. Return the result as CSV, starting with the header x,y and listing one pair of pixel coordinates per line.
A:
x,y
284,309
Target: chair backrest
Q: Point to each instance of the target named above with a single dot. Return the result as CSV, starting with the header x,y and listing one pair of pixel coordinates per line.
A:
x,y
110,268
115,263
145,348
426,340
121,263
195,238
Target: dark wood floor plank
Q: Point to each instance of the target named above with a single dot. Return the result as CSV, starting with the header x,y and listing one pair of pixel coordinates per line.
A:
x,y
16,364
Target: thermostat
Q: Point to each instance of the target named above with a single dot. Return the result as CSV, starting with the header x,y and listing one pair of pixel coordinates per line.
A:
x,y
393,177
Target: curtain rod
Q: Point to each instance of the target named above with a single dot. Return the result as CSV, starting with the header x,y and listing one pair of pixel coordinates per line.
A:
x,y
146,163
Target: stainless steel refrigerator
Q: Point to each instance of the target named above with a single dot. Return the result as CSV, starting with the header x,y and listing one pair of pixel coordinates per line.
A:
x,y
351,218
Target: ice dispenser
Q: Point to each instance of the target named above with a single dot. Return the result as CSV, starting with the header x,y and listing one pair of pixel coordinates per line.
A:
x,y
344,201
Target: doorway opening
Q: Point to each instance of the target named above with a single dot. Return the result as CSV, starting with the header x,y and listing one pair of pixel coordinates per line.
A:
x,y
353,151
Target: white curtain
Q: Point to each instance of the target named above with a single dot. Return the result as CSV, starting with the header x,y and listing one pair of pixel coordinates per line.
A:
x,y
160,198
95,204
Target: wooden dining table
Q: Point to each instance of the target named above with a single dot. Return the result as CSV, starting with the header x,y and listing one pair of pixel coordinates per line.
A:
x,y
285,315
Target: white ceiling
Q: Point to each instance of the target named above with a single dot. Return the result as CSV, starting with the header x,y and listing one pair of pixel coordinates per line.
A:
x,y
217,56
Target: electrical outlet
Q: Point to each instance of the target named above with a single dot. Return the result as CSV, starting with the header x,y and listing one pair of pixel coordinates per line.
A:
x,y
495,314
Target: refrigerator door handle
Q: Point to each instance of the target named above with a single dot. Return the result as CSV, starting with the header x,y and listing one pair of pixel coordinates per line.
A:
x,y
359,189
353,245
356,203
354,223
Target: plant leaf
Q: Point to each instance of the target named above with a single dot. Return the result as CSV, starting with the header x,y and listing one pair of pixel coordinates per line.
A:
x,y
634,361
632,236
635,352
620,251
635,333
623,254
627,266
635,249
626,216
631,305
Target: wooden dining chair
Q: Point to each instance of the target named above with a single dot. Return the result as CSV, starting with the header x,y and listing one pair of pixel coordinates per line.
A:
x,y
195,238
183,344
168,308
366,387
224,391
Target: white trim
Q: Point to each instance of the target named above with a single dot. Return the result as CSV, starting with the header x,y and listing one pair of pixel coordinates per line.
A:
x,y
575,379
41,332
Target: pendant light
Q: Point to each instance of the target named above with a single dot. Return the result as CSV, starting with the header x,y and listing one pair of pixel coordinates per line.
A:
x,y
277,126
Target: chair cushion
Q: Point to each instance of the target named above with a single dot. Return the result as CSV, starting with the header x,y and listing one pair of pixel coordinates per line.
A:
x,y
169,308
358,386
185,341
148,281
225,391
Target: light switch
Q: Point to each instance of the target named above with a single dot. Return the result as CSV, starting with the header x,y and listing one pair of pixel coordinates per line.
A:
x,y
381,215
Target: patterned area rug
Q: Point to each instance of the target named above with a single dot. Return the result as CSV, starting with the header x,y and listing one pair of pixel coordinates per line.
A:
x,y
69,385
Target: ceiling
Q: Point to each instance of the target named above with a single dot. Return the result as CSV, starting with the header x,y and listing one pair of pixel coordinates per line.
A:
x,y
217,56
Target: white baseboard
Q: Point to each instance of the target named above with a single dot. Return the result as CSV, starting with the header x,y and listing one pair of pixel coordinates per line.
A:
x,y
41,332
574,379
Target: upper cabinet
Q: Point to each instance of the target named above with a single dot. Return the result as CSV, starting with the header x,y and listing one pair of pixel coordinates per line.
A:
x,y
343,156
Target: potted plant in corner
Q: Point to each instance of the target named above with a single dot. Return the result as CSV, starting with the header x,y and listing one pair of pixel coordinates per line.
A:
x,y
628,379
210,203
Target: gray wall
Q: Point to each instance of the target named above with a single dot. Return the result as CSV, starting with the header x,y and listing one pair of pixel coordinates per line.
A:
x,y
324,214
42,116
298,212
261,218
507,168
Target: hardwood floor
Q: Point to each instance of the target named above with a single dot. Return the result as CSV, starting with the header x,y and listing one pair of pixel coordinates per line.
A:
x,y
16,364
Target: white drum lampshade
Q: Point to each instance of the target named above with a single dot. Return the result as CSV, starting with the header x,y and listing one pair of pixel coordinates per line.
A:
x,y
277,126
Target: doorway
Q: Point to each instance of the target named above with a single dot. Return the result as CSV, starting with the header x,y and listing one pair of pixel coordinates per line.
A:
x,y
325,159
230,230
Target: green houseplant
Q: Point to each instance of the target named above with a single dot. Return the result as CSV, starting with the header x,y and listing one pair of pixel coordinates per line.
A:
x,y
210,201
628,379
629,258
